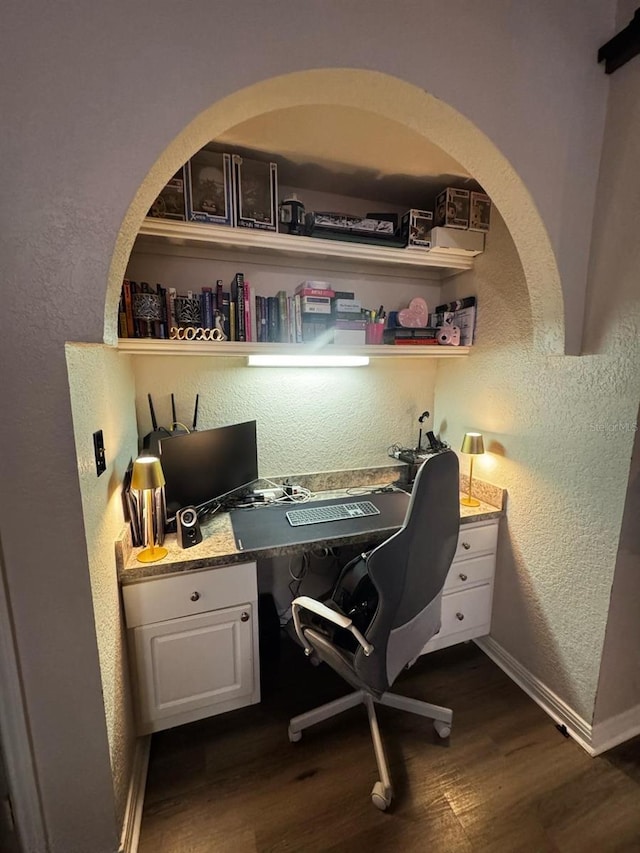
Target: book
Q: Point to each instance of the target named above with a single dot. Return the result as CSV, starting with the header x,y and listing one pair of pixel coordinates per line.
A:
x,y
297,318
316,291
237,299
226,313
170,308
283,317
247,311
127,291
206,308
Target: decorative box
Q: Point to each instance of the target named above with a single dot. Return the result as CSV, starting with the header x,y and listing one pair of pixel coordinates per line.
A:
x,y
416,225
209,184
452,208
255,188
479,212
170,204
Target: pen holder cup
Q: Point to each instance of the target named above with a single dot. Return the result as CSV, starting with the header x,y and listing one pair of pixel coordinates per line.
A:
x,y
374,333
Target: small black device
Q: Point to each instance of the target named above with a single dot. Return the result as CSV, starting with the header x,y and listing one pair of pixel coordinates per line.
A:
x,y
435,445
188,527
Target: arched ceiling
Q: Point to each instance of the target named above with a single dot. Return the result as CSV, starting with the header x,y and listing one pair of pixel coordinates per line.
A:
x,y
349,152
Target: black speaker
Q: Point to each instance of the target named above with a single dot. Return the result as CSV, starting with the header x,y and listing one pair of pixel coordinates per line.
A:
x,y
188,527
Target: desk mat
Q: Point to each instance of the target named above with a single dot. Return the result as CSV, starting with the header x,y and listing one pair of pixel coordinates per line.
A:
x,y
267,527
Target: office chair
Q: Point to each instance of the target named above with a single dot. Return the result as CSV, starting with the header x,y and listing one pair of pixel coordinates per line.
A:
x,y
384,608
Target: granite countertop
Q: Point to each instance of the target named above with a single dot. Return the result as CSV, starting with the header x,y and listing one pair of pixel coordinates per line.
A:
x,y
218,546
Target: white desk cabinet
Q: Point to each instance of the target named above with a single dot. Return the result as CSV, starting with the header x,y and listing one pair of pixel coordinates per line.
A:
x,y
193,644
468,590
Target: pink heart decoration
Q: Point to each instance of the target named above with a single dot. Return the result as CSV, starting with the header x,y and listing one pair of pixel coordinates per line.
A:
x,y
416,316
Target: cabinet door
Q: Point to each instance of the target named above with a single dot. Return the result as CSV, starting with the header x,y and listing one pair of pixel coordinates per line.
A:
x,y
194,667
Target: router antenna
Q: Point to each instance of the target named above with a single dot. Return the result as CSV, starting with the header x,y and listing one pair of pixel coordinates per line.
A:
x,y
173,412
154,422
195,412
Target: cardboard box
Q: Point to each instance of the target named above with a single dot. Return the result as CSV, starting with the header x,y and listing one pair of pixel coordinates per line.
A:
x,y
479,212
171,204
457,240
452,208
209,188
255,189
415,228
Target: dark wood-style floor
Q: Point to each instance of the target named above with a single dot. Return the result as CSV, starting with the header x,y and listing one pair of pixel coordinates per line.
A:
x,y
507,780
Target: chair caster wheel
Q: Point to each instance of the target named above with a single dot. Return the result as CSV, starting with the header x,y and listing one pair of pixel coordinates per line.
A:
x,y
443,729
294,737
379,798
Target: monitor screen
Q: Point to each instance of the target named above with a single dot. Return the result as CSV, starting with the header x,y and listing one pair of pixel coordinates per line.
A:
x,y
202,466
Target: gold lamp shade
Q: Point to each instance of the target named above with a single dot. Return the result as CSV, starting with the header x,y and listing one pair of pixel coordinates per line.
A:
x,y
147,476
472,444
147,473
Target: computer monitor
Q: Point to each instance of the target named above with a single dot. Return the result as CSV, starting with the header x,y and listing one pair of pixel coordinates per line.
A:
x,y
203,466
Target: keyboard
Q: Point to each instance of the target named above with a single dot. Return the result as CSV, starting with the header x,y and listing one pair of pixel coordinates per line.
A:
x,y
337,512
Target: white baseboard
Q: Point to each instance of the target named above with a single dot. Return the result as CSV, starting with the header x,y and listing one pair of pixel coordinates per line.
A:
x,y
135,798
615,730
579,729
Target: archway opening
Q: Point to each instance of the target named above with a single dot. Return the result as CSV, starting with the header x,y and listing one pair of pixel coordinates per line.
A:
x,y
382,101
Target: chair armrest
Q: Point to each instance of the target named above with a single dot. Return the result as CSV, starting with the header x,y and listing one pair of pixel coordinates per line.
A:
x,y
330,615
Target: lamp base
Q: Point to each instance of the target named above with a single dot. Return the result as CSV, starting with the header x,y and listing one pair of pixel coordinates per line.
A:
x,y
469,502
152,555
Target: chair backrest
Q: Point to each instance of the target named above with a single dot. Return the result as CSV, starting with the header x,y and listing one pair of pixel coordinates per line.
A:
x,y
408,571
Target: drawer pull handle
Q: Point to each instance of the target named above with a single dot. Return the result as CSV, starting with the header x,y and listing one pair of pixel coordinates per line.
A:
x,y
244,616
466,546
462,576
195,596
460,616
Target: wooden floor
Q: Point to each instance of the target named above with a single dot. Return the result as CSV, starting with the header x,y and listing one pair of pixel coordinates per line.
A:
x,y
507,780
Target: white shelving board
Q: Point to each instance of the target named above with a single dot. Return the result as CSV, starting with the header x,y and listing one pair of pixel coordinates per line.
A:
x,y
226,349
285,248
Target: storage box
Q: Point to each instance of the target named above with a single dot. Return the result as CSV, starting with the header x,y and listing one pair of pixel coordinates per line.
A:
x,y
209,196
170,204
255,190
457,240
479,212
452,208
350,332
416,225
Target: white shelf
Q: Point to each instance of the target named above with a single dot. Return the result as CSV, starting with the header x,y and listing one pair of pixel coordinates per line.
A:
x,y
231,349
446,262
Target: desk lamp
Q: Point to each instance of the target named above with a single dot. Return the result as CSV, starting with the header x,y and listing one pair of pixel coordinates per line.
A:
x,y
474,446
147,476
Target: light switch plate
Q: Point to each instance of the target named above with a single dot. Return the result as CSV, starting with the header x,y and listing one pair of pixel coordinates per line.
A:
x,y
98,449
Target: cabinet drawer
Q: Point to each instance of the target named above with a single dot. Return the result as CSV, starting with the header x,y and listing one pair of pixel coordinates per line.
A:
x,y
476,540
462,611
190,593
466,573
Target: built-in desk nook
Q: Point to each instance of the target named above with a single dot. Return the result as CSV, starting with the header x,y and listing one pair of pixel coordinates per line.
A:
x,y
192,617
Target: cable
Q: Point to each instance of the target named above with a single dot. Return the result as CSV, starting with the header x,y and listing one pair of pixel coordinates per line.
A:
x,y
184,426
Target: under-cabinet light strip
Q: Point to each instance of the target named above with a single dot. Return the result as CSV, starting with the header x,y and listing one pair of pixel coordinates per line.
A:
x,y
308,360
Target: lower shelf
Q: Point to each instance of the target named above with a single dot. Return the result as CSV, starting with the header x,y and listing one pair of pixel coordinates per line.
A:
x,y
221,349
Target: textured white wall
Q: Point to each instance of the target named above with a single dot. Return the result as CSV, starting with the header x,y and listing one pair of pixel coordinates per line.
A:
x,y
102,398
613,309
308,420
559,433
88,108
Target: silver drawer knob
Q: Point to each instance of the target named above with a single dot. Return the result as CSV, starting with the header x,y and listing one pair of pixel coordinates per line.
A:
x,y
466,546
462,576
460,616
195,596
244,616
